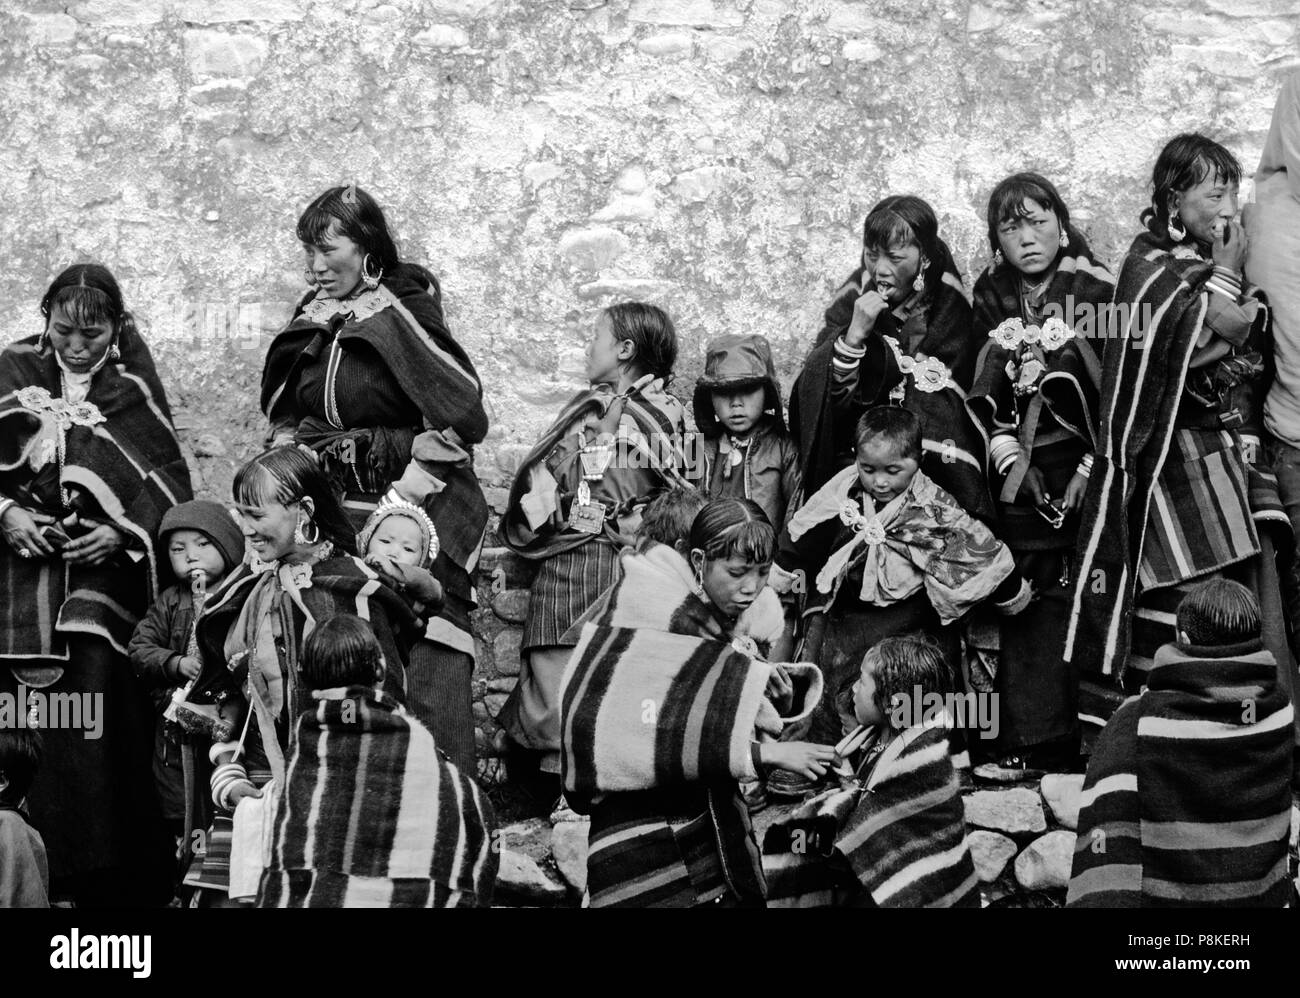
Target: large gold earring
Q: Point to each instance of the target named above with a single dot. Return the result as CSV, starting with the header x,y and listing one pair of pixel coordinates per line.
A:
x,y
371,281
114,353
1176,232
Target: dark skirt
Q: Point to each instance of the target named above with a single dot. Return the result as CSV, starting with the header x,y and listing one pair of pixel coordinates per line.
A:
x,y
566,586
1038,692
439,694
93,800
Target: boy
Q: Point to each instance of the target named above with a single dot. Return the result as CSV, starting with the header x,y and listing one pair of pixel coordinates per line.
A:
x,y
748,452
896,553
1196,769
372,815
203,545
24,872
901,825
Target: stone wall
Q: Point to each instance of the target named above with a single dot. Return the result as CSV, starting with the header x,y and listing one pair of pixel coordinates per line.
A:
x,y
551,156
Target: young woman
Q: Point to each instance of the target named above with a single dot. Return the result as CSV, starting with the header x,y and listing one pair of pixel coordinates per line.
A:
x,y
1173,495
252,629
89,464
899,330
1040,305
367,377
666,707
577,499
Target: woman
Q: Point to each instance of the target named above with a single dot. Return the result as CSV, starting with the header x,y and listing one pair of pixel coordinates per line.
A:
x,y
252,629
666,706
1173,495
367,377
89,463
899,330
1035,400
577,501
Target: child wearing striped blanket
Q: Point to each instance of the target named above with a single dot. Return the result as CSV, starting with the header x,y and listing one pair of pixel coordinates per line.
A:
x,y
1187,802
666,706
893,834
372,814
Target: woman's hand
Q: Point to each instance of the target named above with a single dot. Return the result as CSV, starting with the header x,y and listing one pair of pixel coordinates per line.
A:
x,y
418,585
780,690
241,790
1034,488
803,758
22,530
865,312
94,548
1074,493
1229,246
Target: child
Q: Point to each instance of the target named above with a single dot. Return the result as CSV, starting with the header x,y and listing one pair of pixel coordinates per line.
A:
x,y
399,533
24,872
577,499
901,826
748,453
664,711
1196,769
903,557
667,519
372,815
203,545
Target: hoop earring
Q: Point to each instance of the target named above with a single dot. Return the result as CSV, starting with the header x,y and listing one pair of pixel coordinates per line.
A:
x,y
1177,234
919,283
371,281
300,534
699,584
1065,239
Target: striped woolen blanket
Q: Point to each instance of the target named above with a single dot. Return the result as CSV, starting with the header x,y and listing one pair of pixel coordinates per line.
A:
x,y
374,816
902,831
655,695
1187,800
123,464
1152,332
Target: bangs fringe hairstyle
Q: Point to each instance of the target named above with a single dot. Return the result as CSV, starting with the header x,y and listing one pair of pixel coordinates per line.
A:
x,y
285,475
651,332
1219,612
668,517
899,664
733,528
343,651
1007,203
89,294
903,220
1184,162
901,427
358,216
21,751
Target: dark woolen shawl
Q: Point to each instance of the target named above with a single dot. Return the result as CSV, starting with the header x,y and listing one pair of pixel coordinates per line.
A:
x,y
127,469
953,441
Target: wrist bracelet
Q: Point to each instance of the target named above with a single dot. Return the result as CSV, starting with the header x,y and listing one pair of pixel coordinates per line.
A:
x,y
5,504
756,756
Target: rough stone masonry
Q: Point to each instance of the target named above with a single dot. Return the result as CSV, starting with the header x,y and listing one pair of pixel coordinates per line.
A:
x,y
551,156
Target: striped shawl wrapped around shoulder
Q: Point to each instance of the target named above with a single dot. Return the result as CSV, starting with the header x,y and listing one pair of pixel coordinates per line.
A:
x,y
1187,799
123,463
655,696
902,831
373,815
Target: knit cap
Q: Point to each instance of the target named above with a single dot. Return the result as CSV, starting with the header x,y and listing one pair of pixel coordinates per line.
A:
x,y
399,507
213,521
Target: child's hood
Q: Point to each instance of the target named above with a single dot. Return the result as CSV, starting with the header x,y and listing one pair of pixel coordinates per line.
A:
x,y
733,362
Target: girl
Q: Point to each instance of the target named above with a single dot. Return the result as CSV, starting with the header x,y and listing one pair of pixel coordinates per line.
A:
x,y
666,706
1173,493
577,499
898,331
1040,305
